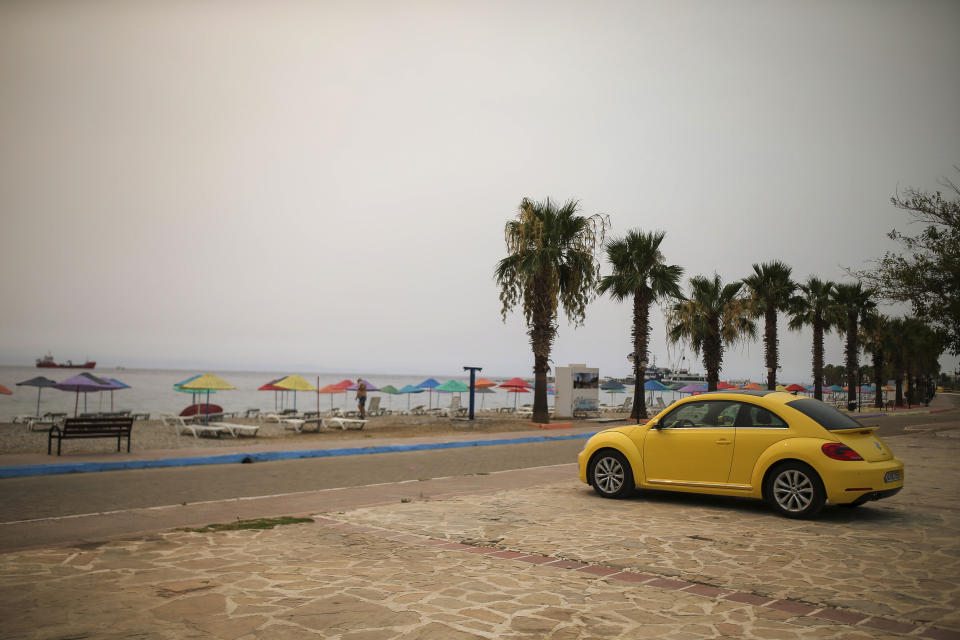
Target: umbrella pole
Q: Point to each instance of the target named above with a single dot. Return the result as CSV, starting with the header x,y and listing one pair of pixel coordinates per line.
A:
x,y
318,400
39,389
206,416
76,403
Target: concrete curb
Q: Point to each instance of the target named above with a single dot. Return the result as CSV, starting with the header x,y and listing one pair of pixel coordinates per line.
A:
x,y
263,456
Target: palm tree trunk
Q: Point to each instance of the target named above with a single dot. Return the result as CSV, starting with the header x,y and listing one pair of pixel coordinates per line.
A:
x,y
898,374
877,375
851,352
713,354
818,360
542,332
770,347
641,338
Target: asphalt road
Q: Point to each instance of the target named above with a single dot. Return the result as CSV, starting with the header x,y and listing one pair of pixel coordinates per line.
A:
x,y
65,495
61,495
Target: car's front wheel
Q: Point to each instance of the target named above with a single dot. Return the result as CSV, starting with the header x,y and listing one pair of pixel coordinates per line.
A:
x,y
795,490
611,475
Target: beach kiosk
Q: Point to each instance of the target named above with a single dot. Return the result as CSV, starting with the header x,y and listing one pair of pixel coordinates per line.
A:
x,y
577,389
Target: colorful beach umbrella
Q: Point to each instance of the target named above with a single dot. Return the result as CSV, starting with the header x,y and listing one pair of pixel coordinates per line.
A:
x,y
39,382
207,382
330,389
794,388
294,383
692,388
453,386
753,386
408,389
517,386
270,386
5,391
83,382
613,388
723,386
370,386
429,385
483,383
390,390
115,385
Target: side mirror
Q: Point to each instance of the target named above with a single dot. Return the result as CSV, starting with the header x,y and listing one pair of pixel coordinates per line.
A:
x,y
653,424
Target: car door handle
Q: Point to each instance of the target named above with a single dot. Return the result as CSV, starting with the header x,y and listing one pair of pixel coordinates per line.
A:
x,y
724,441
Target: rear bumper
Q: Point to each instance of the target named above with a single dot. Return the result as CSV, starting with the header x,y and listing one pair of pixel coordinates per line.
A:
x,y
860,482
877,495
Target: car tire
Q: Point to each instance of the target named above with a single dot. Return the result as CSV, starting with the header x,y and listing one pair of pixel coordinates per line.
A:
x,y
611,474
795,490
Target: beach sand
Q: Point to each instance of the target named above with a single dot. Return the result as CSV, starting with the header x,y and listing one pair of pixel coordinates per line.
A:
x,y
152,434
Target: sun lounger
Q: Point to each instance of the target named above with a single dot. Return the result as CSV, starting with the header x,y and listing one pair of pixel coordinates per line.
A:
x,y
343,423
181,426
237,430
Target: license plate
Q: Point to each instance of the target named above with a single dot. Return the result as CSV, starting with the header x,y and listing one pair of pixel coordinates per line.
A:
x,y
891,476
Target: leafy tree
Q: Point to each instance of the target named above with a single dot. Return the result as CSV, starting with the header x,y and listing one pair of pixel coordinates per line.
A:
x,y
834,374
639,271
853,302
874,335
814,307
770,291
927,275
551,261
714,316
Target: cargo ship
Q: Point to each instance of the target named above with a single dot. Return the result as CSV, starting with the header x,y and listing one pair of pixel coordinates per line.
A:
x,y
47,362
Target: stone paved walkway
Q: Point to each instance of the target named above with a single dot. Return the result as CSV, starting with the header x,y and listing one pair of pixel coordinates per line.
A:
x,y
551,562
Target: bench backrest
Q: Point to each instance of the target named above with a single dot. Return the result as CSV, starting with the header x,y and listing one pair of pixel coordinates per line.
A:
x,y
98,425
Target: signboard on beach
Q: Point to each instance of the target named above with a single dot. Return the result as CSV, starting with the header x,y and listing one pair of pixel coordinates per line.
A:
x,y
577,389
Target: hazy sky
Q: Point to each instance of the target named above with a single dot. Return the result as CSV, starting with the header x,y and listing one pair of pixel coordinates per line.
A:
x,y
313,186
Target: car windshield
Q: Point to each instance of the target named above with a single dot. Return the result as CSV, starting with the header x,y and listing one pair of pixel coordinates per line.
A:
x,y
824,415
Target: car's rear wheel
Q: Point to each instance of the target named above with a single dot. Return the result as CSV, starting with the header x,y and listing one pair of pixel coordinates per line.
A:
x,y
611,475
795,490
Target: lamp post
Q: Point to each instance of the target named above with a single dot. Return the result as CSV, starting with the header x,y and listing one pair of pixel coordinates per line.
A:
x,y
473,379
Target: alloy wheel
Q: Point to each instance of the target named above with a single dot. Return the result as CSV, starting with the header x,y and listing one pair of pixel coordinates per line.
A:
x,y
793,491
608,475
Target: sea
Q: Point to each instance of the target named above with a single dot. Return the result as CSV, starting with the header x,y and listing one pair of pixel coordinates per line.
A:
x,y
151,391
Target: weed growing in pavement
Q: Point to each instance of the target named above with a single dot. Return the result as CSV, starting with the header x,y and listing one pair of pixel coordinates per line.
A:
x,y
258,523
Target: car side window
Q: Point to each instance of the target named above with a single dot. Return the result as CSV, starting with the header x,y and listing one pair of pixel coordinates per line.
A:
x,y
752,416
706,414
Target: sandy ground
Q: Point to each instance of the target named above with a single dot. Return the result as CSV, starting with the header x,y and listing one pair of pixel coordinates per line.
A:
x,y
152,434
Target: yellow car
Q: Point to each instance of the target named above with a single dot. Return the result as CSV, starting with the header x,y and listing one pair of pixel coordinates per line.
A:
x,y
793,452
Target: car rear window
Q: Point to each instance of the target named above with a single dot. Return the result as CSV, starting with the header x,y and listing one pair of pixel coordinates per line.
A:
x,y
823,414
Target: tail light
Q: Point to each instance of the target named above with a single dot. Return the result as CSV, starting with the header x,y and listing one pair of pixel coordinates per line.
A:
x,y
839,451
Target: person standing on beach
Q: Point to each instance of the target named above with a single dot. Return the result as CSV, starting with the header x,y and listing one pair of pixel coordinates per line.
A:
x,y
362,398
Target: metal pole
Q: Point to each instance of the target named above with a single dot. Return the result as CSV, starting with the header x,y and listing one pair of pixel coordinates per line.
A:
x,y
473,379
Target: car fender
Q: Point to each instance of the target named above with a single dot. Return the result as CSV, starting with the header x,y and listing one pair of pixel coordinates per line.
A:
x,y
806,450
622,443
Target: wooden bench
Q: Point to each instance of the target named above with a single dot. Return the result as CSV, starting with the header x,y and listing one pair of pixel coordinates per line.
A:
x,y
90,428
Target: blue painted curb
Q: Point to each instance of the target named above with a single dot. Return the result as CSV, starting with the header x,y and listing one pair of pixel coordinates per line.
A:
x,y
261,456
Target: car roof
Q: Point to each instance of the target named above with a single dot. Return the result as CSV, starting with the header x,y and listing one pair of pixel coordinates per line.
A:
x,y
777,397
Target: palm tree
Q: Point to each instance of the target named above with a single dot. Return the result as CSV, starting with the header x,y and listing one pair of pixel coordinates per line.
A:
x,y
639,271
551,261
853,303
814,307
898,346
714,316
875,339
770,290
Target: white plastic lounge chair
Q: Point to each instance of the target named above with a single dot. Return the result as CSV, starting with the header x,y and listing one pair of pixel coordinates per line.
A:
x,y
415,411
181,426
450,411
659,405
374,408
343,423
237,430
